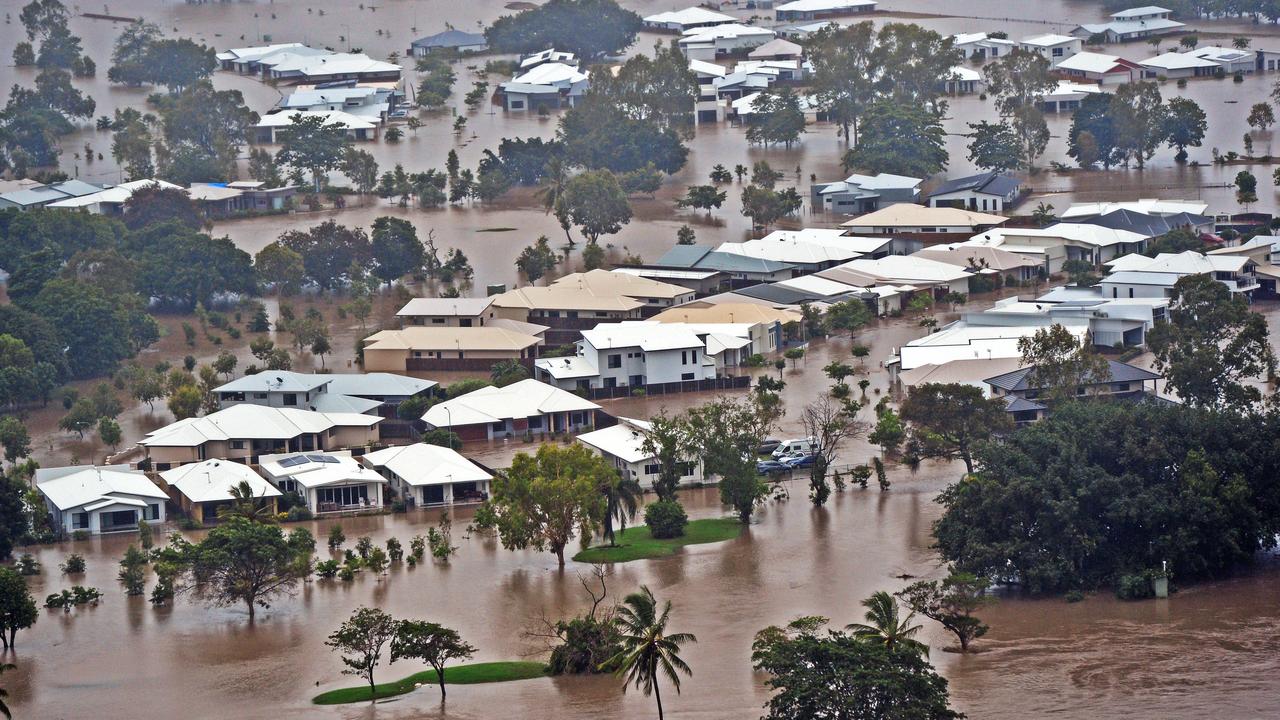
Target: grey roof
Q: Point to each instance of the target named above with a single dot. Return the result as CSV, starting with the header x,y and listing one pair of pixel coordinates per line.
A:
x,y
1144,224
41,194
377,384
449,39
702,257
275,381
988,183
1017,404
780,294
1020,379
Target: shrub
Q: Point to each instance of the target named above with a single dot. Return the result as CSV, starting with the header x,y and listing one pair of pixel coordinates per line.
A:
x,y
586,643
1073,596
298,512
666,519
80,535
327,568
74,564
28,565
1134,587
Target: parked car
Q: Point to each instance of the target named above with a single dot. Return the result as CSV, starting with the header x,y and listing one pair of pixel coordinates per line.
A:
x,y
795,446
767,446
771,467
798,461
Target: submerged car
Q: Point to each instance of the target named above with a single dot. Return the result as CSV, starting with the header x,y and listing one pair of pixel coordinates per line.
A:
x,y
771,467
798,461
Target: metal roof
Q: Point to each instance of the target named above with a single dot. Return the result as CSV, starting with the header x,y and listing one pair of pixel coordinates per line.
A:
x,y
1020,379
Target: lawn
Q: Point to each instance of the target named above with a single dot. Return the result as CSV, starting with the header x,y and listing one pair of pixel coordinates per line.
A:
x,y
635,543
461,675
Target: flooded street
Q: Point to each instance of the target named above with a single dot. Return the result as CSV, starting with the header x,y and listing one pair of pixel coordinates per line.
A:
x,y
1208,650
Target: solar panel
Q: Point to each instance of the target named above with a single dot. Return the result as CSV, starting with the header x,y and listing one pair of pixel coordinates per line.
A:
x,y
293,461
323,459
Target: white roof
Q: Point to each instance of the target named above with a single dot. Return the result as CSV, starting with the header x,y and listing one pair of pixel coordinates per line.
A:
x,y
212,480
275,381
84,485
789,250
667,274
904,269
961,341
318,469
1067,90
689,16
527,398
818,286
249,54
910,215
565,368
329,64
445,307
831,238
624,441
552,73
1143,11
1126,27
1177,61
777,46
729,30
422,464
1220,54
330,117
1085,233
1049,40
117,194
1190,262
552,55
1145,206
1090,62
252,422
960,73
377,384
648,336
883,181
822,5
707,68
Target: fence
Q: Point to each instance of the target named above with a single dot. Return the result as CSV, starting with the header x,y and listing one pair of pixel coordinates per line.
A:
x,y
724,383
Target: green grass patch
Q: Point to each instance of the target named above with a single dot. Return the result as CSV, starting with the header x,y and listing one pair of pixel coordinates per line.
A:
x,y
496,229
460,675
635,543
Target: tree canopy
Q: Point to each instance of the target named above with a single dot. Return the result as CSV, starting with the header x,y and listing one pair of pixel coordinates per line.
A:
x,y
588,28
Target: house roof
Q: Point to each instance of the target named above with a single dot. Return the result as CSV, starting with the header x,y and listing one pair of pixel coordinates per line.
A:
x,y
519,326
1067,90
988,183
603,283
328,117
1148,206
833,238
318,469
1143,11
252,422
789,250
668,274
982,257
429,337
445,307
821,286
276,381
551,73
648,336
527,398
962,341
1129,27
421,464
1144,224
377,384
248,54
1020,379
909,215
84,485
1085,233
689,16
1177,61
703,257
117,194
960,73
565,297
965,372
776,47
780,294
906,269
1090,62
1049,40
332,64
822,5
449,39
570,367
212,480
730,312
727,31
1015,404
708,68
624,441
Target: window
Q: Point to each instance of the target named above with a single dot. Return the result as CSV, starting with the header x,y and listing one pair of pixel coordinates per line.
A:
x,y
344,496
652,469
535,423
290,399
437,321
237,444
259,396
152,512
615,361
517,104
686,376
80,521
1057,52
684,358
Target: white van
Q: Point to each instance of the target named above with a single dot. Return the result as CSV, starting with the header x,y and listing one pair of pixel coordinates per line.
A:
x,y
798,446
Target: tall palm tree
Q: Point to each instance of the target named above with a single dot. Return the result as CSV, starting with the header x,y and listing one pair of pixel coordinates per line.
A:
x,y
4,707
555,177
245,504
646,646
883,625
622,498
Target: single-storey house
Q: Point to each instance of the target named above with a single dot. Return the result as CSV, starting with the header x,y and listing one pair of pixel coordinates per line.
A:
x,y
1132,24
1067,96
982,46
528,407
449,312
859,194
807,10
986,192
271,129
202,488
623,446
455,41
1122,382
682,21
1008,265
1055,245
35,195
728,39
739,268
327,481
374,393
702,282
551,85
109,201
926,223
963,81
430,474
433,347
777,49
1053,47
99,499
1099,68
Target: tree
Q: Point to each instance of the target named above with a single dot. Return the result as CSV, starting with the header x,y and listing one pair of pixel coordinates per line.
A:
x,y
951,603
506,372
664,440
178,64
725,433
720,174
596,204
888,432
685,236
848,315
899,138
361,639
17,607
185,401
109,432
129,61
841,676
55,91
543,500
395,246
621,497
660,90
702,197
131,145
243,561
948,420
133,571
314,146
648,650
1211,345
828,425
589,29
430,643
765,206
1185,126
599,133
281,267
884,627
329,252
1138,118
203,130
1246,187
1092,138
536,260
362,169
844,67
776,117
247,505
1019,81
1261,117
14,438
994,146
1060,363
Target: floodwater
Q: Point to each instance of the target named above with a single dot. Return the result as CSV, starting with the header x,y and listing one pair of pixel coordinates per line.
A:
x,y
1209,649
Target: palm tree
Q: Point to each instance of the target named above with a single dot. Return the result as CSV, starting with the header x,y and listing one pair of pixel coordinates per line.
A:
x,y
4,707
883,625
556,176
646,646
244,504
621,497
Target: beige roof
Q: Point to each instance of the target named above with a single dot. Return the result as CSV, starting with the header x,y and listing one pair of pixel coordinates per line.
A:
x,y
989,257
965,372
445,307
450,338
704,312
524,328
524,399
558,297
605,282
908,215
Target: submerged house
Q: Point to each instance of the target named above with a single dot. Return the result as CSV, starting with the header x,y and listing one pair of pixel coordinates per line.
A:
x,y
986,192
99,499
1027,404
203,488
327,481
859,194
527,407
623,446
430,474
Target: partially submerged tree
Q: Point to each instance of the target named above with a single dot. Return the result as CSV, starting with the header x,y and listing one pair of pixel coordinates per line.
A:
x,y
948,420
430,643
361,639
827,424
951,603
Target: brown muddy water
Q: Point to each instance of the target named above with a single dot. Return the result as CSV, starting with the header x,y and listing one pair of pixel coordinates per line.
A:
x,y
1209,649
